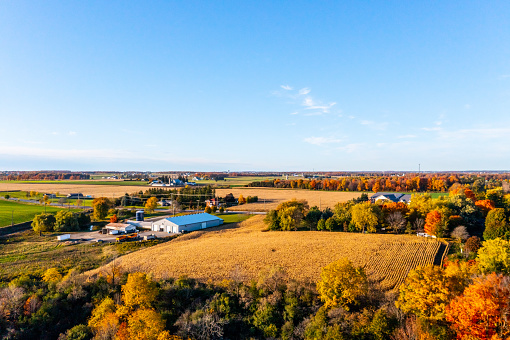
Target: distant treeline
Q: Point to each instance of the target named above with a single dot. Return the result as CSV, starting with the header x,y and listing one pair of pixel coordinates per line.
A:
x,y
397,183
43,175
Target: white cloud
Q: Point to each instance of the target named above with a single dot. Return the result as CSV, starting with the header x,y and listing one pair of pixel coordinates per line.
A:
x,y
322,140
293,113
304,91
72,133
286,87
367,122
504,76
467,106
407,136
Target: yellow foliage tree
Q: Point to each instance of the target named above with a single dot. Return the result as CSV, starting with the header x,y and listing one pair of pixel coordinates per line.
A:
x,y
100,205
145,324
99,312
365,216
139,291
52,276
151,204
428,290
342,284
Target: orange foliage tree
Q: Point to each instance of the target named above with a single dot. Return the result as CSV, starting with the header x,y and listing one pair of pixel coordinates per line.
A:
x,y
432,222
479,313
485,205
114,219
392,207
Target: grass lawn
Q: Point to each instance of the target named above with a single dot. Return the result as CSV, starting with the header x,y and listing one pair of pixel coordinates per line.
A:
x,y
21,212
233,218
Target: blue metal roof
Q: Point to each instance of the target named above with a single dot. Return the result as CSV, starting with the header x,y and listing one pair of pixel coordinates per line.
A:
x,y
194,218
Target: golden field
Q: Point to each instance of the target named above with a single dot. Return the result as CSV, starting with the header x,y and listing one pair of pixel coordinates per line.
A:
x,y
273,197
85,189
217,253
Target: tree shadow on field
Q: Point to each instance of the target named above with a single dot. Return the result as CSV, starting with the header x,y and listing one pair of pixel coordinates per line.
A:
x,y
199,233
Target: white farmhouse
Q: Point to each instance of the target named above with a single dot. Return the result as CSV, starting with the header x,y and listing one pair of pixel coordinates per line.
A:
x,y
192,222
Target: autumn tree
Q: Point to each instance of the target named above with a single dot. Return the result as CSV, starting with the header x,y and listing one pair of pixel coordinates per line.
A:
x,y
288,215
496,224
43,222
52,275
481,311
114,219
432,222
494,256
139,291
100,205
485,205
145,324
428,290
241,200
472,245
365,215
151,204
342,284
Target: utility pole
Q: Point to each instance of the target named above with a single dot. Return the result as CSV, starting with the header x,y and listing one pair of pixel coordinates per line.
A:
x,y
12,218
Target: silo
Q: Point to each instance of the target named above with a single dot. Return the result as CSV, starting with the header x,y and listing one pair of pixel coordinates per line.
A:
x,y
139,215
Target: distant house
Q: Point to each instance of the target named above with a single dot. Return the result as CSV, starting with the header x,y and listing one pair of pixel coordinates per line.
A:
x,y
75,196
391,196
186,223
213,202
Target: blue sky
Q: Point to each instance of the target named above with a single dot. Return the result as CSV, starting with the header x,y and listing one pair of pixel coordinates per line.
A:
x,y
262,85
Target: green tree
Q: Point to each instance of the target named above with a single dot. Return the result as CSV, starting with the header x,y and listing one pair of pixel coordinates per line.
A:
x,y
321,225
312,217
330,224
342,284
272,220
496,224
43,222
494,256
100,205
66,221
364,215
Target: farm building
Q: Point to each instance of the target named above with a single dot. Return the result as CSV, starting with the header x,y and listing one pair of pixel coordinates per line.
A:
x,y
186,223
391,196
74,196
119,228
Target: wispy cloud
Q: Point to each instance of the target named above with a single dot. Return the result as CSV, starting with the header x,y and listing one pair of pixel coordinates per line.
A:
x,y
322,140
406,136
286,87
310,104
504,76
72,133
304,91
294,113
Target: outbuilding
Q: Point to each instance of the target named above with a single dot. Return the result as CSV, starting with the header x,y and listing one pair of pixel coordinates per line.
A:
x,y
119,228
186,223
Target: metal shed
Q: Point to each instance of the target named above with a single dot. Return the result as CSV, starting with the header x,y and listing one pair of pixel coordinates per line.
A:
x,y
186,223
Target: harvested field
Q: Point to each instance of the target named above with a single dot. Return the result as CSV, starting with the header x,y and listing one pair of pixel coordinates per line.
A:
x,y
273,197
215,254
85,189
